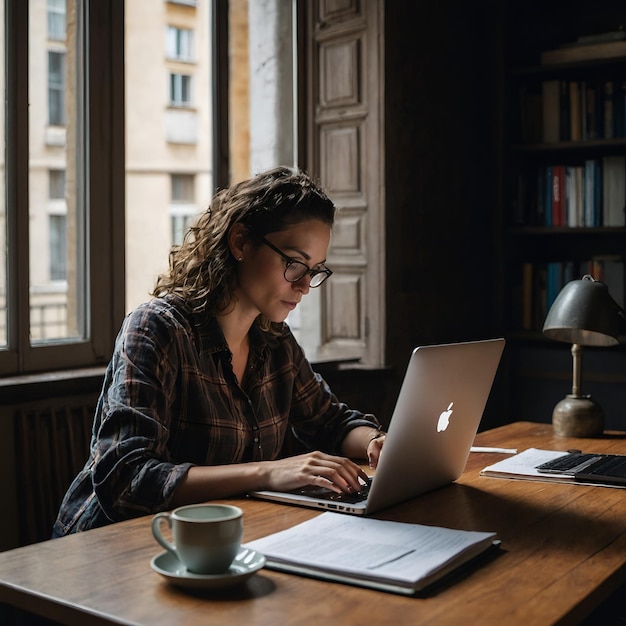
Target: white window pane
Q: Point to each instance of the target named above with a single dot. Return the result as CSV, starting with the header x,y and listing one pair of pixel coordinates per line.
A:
x,y
56,20
58,247
170,42
58,260
183,188
178,43
56,184
180,89
56,88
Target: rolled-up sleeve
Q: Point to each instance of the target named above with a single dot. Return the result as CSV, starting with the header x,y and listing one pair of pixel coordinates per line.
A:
x,y
133,472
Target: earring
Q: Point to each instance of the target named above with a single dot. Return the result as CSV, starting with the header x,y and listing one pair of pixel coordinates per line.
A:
x,y
240,259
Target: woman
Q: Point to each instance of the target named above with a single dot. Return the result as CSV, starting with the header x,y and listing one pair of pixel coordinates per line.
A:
x,y
206,379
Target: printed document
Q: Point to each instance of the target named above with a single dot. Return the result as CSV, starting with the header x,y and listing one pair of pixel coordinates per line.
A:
x,y
393,556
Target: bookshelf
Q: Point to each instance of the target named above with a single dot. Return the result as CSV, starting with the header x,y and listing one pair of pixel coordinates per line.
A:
x,y
563,192
567,186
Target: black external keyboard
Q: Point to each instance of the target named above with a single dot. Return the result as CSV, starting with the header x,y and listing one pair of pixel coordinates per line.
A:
x,y
569,463
587,463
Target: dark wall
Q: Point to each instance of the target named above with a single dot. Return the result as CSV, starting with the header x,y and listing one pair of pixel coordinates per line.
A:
x,y
441,130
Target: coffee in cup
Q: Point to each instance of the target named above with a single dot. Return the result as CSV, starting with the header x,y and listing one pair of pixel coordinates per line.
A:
x,y
207,537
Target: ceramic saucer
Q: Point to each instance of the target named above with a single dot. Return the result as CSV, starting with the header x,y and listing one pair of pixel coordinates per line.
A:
x,y
246,563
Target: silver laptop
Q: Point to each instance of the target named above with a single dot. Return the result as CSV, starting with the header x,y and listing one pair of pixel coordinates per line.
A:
x,y
437,414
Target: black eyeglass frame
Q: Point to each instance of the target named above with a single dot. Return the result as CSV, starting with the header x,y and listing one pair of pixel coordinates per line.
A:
x,y
306,269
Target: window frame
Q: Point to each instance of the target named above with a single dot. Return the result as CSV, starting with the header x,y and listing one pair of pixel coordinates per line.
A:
x,y
102,102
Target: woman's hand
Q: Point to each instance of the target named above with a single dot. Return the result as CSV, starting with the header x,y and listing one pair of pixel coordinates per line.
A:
x,y
339,474
374,448
364,442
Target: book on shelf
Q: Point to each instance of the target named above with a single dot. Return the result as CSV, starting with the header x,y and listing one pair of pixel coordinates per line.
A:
x,y
619,123
614,190
565,112
551,108
398,557
589,118
608,109
584,52
591,194
558,195
576,110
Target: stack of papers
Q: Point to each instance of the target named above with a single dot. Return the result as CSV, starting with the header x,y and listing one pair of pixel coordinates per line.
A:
x,y
523,466
390,556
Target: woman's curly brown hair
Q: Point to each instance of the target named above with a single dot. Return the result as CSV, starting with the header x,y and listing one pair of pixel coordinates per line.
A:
x,y
202,270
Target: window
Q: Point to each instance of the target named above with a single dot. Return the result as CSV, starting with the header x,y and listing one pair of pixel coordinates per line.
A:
x,y
178,44
183,208
57,225
53,221
182,188
63,207
180,90
56,184
56,20
56,88
58,247
180,225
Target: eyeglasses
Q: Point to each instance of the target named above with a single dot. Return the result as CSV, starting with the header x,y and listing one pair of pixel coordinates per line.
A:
x,y
296,270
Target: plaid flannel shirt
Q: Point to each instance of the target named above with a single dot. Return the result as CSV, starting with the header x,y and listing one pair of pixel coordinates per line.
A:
x,y
170,400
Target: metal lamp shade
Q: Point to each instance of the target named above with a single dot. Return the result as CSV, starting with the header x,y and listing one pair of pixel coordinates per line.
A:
x,y
584,313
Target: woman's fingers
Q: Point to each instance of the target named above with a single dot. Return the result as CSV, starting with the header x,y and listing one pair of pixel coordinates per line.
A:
x,y
340,474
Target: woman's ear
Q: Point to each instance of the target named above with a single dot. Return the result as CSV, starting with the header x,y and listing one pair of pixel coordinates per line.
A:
x,y
237,239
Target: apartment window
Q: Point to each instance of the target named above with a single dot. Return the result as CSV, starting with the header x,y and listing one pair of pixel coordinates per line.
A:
x,y
56,184
178,43
56,88
180,90
183,208
58,247
182,188
56,20
57,225
180,225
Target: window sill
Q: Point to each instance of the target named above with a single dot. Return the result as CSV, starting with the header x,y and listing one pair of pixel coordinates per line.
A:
x,y
32,387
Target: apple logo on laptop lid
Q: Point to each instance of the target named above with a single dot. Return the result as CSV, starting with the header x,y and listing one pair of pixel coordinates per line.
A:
x,y
444,419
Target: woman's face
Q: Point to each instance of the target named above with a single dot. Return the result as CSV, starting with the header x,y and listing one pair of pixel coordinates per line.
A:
x,y
262,285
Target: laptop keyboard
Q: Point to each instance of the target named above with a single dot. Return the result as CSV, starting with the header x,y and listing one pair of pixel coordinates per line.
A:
x,y
327,494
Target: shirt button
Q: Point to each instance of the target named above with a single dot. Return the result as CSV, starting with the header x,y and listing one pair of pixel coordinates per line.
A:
x,y
256,440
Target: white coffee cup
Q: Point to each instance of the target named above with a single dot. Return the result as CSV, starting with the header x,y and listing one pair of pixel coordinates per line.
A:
x,y
207,537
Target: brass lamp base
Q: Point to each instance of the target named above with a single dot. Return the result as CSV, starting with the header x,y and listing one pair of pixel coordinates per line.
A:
x,y
577,416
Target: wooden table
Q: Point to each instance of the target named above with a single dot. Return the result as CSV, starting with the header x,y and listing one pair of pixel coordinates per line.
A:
x,y
563,552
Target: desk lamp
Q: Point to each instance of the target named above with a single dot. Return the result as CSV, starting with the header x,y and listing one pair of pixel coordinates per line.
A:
x,y
583,314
